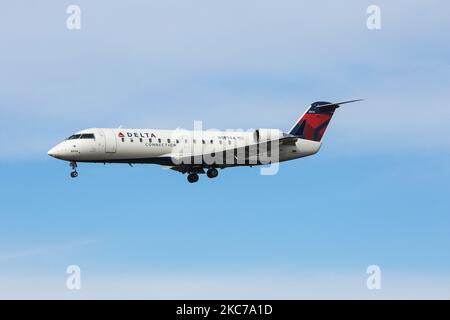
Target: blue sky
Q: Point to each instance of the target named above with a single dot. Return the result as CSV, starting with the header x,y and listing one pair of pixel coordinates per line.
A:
x,y
377,192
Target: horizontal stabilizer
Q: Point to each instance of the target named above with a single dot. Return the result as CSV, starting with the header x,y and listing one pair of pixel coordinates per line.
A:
x,y
337,104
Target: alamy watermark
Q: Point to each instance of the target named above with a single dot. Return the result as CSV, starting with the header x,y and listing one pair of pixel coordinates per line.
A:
x,y
73,22
73,281
374,20
373,281
220,149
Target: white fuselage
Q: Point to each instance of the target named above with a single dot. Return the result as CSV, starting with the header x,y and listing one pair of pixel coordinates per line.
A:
x,y
163,146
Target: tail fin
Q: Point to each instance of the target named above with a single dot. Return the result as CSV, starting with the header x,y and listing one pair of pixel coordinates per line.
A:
x,y
313,123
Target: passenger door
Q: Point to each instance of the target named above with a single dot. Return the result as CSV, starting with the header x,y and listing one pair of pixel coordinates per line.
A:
x,y
110,141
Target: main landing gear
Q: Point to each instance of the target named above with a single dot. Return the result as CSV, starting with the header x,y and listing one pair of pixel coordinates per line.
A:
x,y
211,173
74,172
192,177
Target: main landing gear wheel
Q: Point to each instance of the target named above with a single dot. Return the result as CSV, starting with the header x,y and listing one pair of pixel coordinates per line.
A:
x,y
212,173
74,172
192,177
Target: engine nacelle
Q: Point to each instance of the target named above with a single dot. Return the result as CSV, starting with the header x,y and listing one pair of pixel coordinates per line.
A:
x,y
263,135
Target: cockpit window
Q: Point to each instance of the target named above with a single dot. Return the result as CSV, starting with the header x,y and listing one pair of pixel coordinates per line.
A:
x,y
87,136
75,136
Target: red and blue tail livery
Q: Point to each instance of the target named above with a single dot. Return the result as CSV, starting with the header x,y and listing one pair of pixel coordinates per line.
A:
x,y
314,122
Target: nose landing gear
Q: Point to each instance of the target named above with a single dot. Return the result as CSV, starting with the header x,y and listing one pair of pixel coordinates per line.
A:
x,y
74,172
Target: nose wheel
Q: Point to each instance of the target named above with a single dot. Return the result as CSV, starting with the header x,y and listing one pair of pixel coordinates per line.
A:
x,y
74,172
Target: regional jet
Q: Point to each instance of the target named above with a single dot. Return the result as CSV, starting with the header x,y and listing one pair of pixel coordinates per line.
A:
x,y
197,152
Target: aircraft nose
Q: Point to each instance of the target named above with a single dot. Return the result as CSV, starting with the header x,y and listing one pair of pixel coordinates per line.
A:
x,y
54,152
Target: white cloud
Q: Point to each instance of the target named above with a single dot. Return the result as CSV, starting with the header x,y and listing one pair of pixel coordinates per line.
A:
x,y
45,250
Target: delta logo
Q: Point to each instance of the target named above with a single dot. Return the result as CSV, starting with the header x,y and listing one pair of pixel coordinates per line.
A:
x,y
136,135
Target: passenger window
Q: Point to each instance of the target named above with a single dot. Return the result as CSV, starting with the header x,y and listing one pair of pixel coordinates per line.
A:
x,y
131,140
150,140
229,142
220,141
159,140
195,141
123,139
140,140
203,141
177,141
168,140
185,141
211,141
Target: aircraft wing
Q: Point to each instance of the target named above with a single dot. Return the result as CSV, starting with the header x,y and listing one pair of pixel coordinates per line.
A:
x,y
231,156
